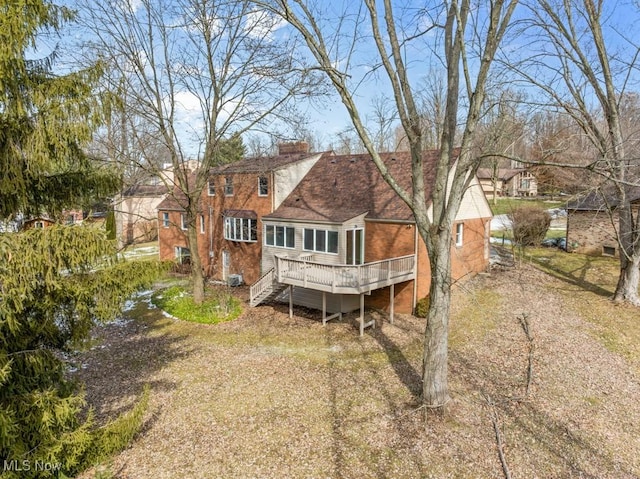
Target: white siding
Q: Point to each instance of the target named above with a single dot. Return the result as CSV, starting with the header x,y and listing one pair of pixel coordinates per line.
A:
x,y
268,252
474,203
312,299
287,178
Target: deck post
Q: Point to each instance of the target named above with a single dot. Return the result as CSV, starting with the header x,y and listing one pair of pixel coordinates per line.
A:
x,y
361,314
324,308
391,301
290,301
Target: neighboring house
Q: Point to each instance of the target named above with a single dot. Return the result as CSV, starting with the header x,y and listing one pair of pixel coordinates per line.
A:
x,y
509,182
232,205
136,208
343,239
67,217
136,213
592,222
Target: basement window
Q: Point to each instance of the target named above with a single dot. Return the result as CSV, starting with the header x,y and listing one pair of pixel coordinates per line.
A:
x,y
608,250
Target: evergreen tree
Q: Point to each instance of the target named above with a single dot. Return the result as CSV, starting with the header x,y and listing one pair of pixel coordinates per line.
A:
x,y
55,283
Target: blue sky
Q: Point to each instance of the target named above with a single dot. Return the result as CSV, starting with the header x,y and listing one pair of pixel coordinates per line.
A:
x,y
329,117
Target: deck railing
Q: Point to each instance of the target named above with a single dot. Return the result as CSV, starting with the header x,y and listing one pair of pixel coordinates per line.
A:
x,y
261,287
347,279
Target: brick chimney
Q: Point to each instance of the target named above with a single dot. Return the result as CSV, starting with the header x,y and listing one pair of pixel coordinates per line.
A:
x,y
293,148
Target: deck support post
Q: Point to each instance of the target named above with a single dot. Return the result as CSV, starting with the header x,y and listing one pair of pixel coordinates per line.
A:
x,y
290,302
324,307
361,314
391,302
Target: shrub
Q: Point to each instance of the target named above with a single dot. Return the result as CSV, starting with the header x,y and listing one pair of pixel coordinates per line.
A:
x,y
422,307
529,224
220,307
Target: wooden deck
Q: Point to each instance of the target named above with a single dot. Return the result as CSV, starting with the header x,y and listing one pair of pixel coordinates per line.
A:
x,y
345,279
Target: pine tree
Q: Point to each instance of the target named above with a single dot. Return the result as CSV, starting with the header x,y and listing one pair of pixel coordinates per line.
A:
x,y
56,282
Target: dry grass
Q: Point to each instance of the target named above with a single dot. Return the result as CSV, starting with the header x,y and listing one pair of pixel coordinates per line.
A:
x,y
266,396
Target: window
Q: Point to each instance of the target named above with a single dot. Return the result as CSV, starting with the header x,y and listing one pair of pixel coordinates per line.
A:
x,y
228,186
38,224
282,236
459,234
202,224
322,241
183,255
263,186
165,220
211,188
240,229
71,219
183,221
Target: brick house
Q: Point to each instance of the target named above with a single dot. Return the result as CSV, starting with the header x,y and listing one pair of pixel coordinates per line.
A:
x,y
592,221
509,182
231,208
67,217
343,239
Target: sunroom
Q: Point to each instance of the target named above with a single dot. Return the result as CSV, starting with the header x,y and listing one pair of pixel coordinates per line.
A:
x,y
321,265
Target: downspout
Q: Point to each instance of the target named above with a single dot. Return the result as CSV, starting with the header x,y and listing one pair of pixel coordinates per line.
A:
x,y
211,256
415,281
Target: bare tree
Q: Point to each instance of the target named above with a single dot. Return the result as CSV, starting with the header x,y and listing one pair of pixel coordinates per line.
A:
x,y
198,72
451,31
500,134
580,71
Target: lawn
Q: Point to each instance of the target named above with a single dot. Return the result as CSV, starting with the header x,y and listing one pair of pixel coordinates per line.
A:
x,y
507,205
267,396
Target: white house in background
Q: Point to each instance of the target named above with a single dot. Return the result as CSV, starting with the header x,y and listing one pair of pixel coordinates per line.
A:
x,y
508,182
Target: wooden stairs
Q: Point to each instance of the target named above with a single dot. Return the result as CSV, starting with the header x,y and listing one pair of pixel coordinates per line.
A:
x,y
265,289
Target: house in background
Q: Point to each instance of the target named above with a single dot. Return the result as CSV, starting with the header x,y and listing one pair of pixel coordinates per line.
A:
x,y
343,239
67,217
508,182
136,208
231,208
592,222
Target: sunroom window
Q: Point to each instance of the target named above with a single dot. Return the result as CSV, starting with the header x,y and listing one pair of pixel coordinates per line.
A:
x,y
321,241
282,236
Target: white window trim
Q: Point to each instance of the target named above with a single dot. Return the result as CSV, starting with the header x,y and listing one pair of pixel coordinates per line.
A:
x,y
183,222
259,192
459,234
230,229
274,245
209,185
201,224
165,220
228,186
326,241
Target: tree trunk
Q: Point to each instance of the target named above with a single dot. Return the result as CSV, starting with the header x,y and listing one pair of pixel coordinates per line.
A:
x,y
627,288
434,365
197,275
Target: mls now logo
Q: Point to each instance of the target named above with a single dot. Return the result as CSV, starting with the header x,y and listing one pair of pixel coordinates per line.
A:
x,y
26,465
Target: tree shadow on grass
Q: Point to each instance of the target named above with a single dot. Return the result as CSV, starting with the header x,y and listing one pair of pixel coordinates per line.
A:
x,y
364,378
129,353
400,364
575,277
556,439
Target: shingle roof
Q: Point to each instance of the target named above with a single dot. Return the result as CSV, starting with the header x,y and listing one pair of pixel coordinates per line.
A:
x,y
599,200
503,174
145,190
260,164
341,187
